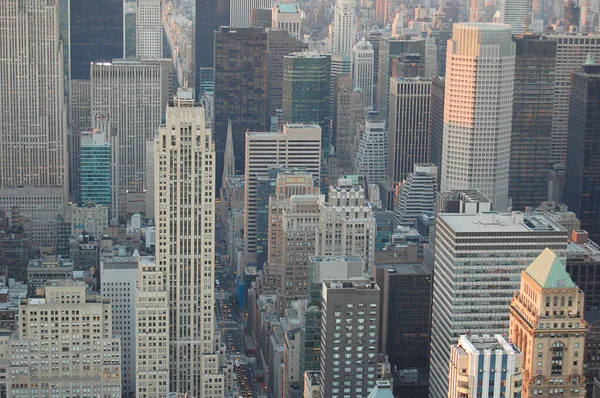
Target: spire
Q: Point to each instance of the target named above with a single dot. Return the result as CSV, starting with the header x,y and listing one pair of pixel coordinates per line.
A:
x,y
229,161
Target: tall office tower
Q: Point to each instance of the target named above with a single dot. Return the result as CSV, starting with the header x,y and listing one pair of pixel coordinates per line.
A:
x,y
530,153
516,13
95,168
436,123
299,145
441,31
571,52
239,11
546,322
478,110
299,224
119,278
152,331
306,91
408,121
210,15
349,308
416,194
347,226
126,99
405,323
461,274
148,29
185,215
287,17
374,39
260,18
390,48
474,367
349,113
582,174
362,70
280,43
96,34
85,326
408,65
277,185
33,143
287,184
343,29
371,155
477,12
241,74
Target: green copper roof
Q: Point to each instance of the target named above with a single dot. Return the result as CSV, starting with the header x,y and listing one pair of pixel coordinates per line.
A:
x,y
292,8
383,389
548,271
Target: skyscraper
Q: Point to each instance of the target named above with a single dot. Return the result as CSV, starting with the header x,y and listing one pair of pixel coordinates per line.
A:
x,y
343,29
239,11
349,112
571,52
408,125
299,224
546,322
474,367
405,323
306,91
362,70
582,172
119,278
478,110
530,153
96,181
516,13
126,102
96,34
348,306
185,240
33,147
210,14
416,194
152,331
298,145
389,48
371,153
287,17
280,44
148,29
347,226
436,123
504,244
241,74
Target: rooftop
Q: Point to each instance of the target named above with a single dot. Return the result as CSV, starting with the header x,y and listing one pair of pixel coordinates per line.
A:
x,y
405,268
500,222
288,8
549,272
473,344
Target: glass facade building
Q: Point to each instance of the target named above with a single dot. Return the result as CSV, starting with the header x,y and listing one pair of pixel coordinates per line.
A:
x,y
582,172
95,34
95,168
535,67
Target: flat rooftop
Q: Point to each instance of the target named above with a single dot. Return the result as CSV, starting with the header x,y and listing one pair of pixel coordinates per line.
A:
x,y
405,268
496,222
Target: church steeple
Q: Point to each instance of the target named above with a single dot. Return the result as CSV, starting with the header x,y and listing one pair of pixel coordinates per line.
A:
x,y
229,161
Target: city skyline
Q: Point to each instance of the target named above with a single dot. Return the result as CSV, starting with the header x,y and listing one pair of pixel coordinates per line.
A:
x,y
355,199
